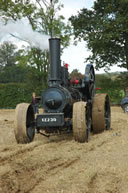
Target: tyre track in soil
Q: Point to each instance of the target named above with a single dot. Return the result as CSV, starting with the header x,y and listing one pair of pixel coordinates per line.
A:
x,y
59,164
19,170
54,165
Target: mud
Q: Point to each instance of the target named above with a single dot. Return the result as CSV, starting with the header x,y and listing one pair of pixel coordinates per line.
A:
x,y
60,165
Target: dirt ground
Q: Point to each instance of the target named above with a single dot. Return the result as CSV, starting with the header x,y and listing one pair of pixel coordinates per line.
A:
x,y
60,165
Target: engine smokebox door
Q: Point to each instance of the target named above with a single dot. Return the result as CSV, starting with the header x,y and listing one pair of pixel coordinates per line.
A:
x,y
50,120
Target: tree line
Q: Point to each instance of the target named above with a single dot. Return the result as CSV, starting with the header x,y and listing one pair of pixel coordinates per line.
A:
x,y
18,80
103,28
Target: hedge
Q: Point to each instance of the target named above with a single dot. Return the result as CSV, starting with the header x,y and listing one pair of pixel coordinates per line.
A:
x,y
13,93
112,87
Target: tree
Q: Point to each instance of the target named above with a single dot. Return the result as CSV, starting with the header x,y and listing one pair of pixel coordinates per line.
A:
x,y
8,55
16,9
76,74
14,74
44,18
109,83
105,30
42,15
123,79
11,69
38,60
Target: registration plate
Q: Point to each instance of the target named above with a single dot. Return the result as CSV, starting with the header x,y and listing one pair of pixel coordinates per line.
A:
x,y
50,120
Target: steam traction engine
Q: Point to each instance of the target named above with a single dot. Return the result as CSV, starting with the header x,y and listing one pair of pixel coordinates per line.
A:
x,y
68,105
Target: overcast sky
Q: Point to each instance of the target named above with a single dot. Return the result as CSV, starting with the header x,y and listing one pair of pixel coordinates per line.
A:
x,y
75,55
71,7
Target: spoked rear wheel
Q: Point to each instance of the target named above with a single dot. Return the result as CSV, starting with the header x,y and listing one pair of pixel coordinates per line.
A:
x,y
81,122
101,113
24,123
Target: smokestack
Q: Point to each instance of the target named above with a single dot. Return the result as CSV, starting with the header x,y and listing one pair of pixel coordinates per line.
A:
x,y
55,64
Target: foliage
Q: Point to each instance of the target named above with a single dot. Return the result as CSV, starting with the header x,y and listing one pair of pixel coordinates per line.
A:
x,y
76,74
36,80
110,85
38,64
39,60
50,22
16,9
105,30
31,67
8,55
14,74
123,79
44,17
11,69
12,93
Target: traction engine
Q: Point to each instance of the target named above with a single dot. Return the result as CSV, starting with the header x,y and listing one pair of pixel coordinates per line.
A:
x,y
68,105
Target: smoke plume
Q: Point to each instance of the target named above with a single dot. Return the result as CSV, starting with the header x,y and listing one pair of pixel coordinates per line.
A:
x,y
24,32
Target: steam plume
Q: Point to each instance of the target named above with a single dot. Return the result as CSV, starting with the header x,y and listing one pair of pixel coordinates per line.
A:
x,y
24,32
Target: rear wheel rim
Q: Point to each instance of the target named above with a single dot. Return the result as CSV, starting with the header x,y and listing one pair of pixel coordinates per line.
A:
x,y
30,129
107,113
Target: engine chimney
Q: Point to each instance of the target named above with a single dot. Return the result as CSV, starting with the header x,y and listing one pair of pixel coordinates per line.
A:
x,y
55,63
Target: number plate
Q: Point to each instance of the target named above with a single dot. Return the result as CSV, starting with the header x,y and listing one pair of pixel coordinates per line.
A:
x,y
50,120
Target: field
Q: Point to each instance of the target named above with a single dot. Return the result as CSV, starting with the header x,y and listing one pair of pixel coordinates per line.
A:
x,y
60,165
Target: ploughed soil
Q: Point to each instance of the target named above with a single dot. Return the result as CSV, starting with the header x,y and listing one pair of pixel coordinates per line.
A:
x,y
60,165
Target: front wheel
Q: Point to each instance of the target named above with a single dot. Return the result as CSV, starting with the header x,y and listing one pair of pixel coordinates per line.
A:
x,y
81,122
24,123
